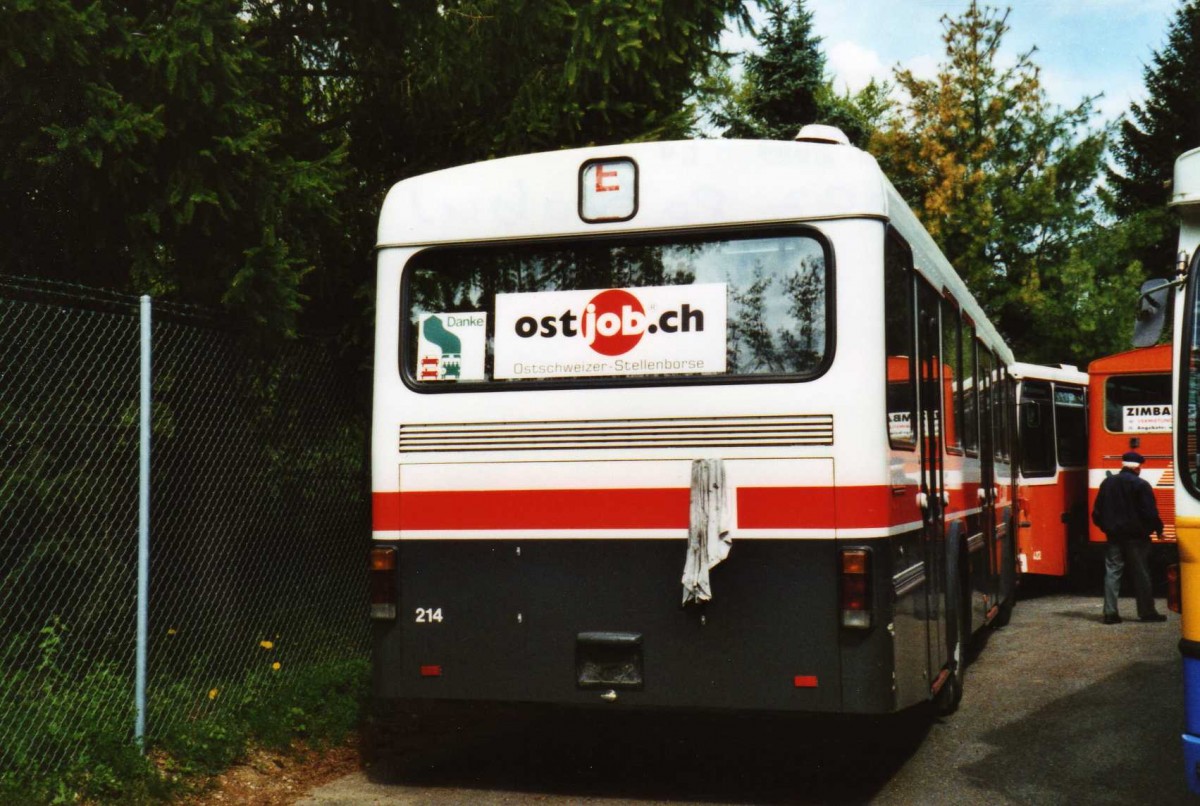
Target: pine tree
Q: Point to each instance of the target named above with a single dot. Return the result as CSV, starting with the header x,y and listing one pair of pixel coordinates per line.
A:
x,y
782,83
1151,137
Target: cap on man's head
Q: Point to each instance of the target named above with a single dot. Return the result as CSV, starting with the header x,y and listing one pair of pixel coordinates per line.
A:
x,y
1132,459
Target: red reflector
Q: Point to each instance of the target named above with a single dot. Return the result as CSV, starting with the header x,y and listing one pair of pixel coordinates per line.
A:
x,y
431,671
805,681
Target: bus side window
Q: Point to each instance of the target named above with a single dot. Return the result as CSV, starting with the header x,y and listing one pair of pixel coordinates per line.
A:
x,y
970,386
1005,409
1070,424
986,397
998,409
898,309
952,373
1036,429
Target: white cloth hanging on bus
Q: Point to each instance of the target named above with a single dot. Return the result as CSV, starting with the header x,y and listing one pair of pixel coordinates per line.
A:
x,y
708,528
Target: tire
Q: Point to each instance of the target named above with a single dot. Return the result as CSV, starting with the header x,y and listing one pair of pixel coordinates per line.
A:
x,y
1003,615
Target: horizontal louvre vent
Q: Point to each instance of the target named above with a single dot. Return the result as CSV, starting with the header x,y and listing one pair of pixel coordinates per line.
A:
x,y
725,432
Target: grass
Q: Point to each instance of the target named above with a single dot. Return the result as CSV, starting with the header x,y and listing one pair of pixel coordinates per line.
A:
x,y
73,738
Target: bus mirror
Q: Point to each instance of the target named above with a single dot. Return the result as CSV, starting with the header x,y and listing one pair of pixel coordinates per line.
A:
x,y
1152,313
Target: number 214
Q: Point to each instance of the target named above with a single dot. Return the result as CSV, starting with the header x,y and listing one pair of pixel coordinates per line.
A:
x,y
429,615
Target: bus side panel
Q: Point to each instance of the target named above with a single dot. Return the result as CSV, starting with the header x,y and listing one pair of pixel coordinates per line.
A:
x,y
1047,509
907,584
508,625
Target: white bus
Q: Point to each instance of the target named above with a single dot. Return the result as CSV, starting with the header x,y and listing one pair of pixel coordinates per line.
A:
x,y
707,424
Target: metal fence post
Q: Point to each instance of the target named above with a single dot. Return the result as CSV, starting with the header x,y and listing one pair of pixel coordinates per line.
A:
x,y
260,523
143,528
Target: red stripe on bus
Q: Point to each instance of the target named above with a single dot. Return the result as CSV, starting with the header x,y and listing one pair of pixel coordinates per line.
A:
x,y
648,508
652,508
826,507
786,508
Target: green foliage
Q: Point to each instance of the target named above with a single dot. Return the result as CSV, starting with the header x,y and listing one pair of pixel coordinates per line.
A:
x,y
77,736
77,742
236,152
1004,183
858,114
269,707
784,85
1153,135
782,81
148,154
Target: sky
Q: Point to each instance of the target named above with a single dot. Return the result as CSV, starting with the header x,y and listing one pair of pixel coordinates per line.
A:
x,y
1084,47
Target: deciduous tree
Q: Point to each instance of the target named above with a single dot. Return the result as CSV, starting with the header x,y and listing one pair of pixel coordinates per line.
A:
x,y
237,151
147,152
1002,179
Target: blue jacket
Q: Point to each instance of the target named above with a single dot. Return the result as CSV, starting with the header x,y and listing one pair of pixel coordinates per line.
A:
x,y
1125,508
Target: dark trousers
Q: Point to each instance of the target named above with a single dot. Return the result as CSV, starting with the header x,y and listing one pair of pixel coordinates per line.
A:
x,y
1137,554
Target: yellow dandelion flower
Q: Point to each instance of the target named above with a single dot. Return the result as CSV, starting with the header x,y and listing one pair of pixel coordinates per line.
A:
x,y
212,694
266,644
171,631
275,666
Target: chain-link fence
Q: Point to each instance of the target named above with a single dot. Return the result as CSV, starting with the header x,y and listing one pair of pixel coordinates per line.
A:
x,y
259,521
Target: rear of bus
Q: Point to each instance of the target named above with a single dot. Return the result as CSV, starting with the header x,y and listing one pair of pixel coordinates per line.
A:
x,y
584,358
1052,448
1130,409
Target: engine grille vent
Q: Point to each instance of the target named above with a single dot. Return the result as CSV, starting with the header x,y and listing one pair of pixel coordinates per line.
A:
x,y
706,432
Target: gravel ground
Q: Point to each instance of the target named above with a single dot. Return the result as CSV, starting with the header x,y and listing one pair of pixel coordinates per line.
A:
x,y
1059,708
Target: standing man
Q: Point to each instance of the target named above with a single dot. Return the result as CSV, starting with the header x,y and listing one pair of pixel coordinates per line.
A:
x,y
1125,510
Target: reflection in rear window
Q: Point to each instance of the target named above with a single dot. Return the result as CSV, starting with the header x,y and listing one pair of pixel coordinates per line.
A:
x,y
715,307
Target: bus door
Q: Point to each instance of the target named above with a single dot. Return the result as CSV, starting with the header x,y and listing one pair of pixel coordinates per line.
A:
x,y
932,496
989,411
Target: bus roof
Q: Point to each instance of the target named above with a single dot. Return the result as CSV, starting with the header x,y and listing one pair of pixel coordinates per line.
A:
x,y
1141,359
691,183
687,184
1063,373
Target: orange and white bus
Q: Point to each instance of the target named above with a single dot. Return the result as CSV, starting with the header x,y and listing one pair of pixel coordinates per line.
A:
x,y
659,425
1052,465
1130,396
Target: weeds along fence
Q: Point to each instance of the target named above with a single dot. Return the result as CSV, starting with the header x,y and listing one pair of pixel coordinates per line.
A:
x,y
258,509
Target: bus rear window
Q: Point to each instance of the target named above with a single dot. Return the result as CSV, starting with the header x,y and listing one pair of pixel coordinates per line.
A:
x,y
1137,403
733,307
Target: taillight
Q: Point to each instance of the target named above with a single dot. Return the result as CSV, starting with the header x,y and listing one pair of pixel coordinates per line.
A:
x,y
855,588
1174,600
383,583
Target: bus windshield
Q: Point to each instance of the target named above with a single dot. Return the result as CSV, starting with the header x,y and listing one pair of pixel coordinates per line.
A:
x,y
740,306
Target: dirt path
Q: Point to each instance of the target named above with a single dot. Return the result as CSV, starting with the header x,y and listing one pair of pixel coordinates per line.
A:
x,y
278,779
